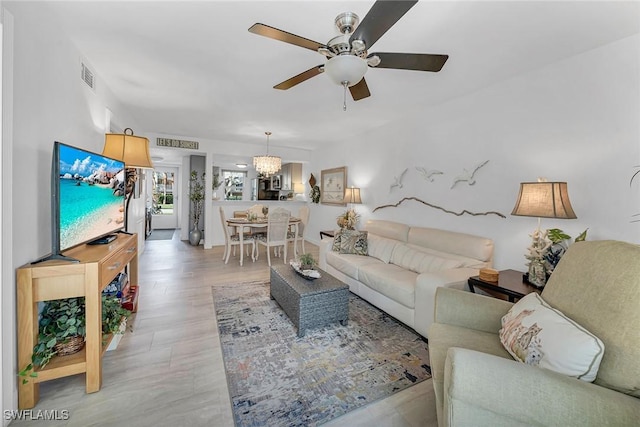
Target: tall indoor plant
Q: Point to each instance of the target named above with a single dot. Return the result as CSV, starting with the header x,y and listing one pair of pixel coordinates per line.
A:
x,y
215,184
196,195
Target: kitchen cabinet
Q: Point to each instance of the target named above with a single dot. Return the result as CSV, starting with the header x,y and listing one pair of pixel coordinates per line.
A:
x,y
286,177
291,174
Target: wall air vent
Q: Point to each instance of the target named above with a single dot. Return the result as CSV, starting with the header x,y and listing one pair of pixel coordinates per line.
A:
x,y
87,76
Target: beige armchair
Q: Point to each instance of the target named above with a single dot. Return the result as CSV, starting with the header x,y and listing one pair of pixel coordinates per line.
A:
x,y
477,383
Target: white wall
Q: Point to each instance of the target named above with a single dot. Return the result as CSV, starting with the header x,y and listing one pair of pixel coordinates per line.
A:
x,y
50,103
575,121
7,293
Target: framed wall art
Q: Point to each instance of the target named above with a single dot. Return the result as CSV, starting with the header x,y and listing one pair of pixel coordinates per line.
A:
x,y
333,183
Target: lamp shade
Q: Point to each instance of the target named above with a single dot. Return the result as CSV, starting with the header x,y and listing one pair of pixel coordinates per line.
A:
x,y
352,195
298,187
346,68
132,150
544,200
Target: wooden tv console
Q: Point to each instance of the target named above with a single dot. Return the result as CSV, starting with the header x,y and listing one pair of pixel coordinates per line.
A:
x,y
50,280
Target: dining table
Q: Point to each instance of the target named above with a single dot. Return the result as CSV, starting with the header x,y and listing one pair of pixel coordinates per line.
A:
x,y
260,224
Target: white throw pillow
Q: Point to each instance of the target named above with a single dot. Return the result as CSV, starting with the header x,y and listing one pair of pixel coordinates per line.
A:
x,y
535,333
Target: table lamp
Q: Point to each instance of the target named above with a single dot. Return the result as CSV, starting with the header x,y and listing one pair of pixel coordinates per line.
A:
x,y
350,218
542,199
352,196
134,152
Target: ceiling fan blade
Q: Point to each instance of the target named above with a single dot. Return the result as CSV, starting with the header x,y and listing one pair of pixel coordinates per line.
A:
x,y
360,90
305,75
283,36
382,15
411,61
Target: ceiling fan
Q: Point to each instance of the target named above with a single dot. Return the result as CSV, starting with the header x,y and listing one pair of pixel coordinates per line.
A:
x,y
347,54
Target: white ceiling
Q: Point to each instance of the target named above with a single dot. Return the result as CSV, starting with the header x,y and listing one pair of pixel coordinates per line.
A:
x,y
193,69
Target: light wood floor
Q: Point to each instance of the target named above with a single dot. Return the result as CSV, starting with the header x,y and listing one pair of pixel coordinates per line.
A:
x,y
169,370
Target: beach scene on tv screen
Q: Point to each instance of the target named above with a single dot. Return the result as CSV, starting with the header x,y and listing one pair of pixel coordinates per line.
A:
x,y
91,196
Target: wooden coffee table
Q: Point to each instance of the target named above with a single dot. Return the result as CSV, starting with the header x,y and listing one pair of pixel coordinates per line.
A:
x,y
510,285
309,303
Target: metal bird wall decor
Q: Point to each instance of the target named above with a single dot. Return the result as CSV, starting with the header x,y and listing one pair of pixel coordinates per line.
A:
x,y
468,175
397,181
428,174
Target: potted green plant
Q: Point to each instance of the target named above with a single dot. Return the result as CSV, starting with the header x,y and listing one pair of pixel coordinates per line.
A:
x,y
61,322
196,195
62,329
215,185
560,243
307,262
112,314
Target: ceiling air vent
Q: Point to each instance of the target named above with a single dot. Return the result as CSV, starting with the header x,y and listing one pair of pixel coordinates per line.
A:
x,y
87,76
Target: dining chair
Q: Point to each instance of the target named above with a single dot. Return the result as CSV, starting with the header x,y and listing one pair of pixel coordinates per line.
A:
x,y
242,214
276,235
233,239
303,214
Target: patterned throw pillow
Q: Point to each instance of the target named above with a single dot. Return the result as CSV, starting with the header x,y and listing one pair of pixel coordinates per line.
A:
x,y
351,242
535,333
337,237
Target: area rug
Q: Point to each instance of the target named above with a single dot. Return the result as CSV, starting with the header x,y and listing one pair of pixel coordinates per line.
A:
x,y
161,234
278,379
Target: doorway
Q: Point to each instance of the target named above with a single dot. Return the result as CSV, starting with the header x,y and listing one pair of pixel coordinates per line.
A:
x,y
165,197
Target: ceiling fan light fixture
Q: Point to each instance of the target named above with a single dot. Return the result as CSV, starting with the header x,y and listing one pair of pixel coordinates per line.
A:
x,y
373,61
358,47
347,22
346,68
326,52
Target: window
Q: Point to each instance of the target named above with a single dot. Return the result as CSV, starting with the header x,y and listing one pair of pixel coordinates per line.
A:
x,y
162,193
233,184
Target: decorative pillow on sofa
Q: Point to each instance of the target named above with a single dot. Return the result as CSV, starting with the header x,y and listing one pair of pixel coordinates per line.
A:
x,y
350,242
535,333
337,237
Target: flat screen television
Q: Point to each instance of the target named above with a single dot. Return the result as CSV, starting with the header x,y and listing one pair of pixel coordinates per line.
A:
x,y
87,198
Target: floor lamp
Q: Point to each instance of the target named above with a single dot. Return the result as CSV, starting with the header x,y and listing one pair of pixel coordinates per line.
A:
x,y
542,199
134,152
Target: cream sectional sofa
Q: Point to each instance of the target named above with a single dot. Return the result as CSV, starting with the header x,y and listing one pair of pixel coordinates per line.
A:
x,y
405,265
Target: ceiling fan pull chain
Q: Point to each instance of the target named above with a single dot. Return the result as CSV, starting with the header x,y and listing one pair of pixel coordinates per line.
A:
x,y
344,104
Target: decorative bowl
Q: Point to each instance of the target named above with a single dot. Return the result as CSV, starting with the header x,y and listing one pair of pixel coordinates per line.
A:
x,y
310,274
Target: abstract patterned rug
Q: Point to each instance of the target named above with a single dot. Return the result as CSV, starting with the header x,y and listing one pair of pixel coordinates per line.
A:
x,y
278,379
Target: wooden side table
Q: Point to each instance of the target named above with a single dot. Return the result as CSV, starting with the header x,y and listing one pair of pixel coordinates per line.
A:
x,y
55,279
510,284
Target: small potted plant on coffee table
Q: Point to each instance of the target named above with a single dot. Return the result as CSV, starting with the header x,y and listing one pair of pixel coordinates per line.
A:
x,y
307,262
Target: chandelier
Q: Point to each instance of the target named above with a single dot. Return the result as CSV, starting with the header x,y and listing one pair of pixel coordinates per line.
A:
x,y
267,165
